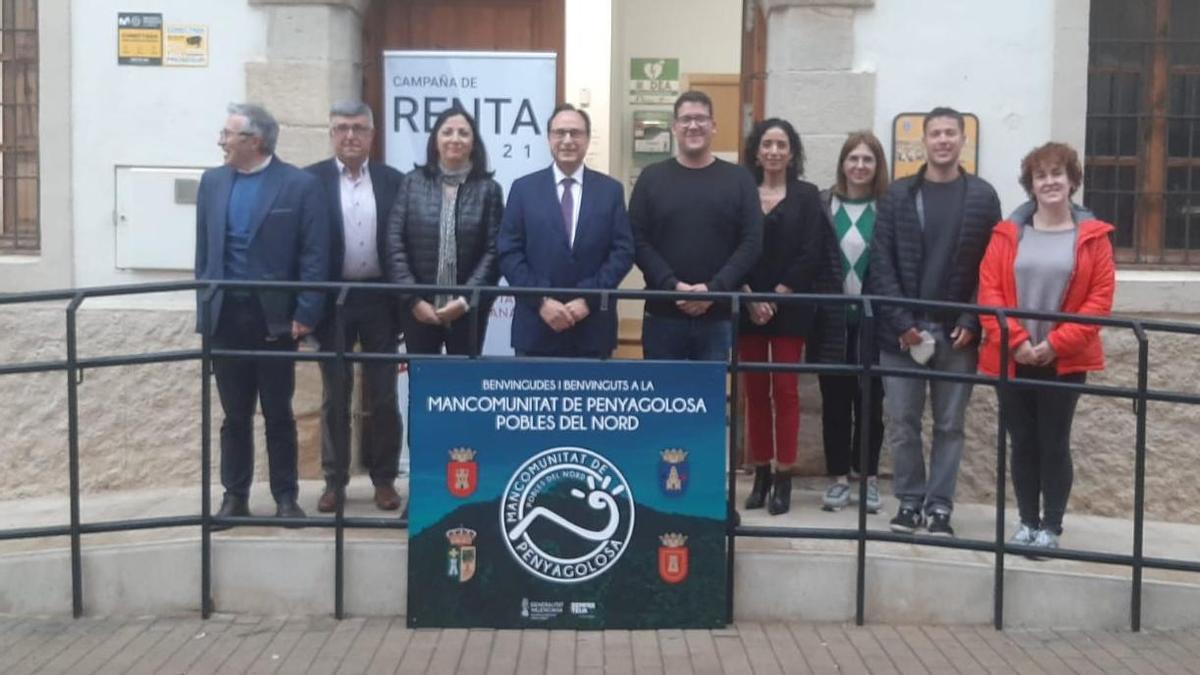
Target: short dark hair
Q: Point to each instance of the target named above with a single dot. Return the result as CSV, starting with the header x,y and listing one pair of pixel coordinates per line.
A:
x,y
944,111
479,160
567,107
1051,154
795,167
693,96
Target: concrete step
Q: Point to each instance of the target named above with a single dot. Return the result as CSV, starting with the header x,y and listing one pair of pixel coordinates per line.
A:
x,y
260,570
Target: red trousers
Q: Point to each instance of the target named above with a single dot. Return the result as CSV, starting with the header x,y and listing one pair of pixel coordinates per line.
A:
x,y
772,399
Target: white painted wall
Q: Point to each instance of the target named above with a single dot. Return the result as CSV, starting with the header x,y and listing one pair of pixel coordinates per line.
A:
x,y
588,75
997,62
705,35
146,116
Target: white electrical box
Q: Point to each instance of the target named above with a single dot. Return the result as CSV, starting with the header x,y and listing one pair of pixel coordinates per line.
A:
x,y
156,217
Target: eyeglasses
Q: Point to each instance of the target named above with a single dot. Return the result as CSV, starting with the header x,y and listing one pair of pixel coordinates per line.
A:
x,y
698,120
356,129
575,134
226,133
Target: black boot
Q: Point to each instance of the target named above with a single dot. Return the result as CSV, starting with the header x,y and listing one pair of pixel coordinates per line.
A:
x,y
781,494
762,483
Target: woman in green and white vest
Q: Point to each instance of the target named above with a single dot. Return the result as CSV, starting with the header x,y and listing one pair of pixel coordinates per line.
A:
x,y
862,176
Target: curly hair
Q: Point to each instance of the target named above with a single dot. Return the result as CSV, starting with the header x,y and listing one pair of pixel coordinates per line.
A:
x,y
795,167
1051,154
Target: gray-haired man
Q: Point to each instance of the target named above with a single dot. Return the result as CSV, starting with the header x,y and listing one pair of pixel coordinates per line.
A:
x,y
259,219
360,194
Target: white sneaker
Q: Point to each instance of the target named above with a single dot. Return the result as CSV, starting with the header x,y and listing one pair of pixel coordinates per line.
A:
x,y
1045,539
836,497
874,502
1025,536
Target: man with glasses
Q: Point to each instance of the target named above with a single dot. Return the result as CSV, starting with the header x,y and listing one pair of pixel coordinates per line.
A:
x,y
360,194
565,227
259,219
698,226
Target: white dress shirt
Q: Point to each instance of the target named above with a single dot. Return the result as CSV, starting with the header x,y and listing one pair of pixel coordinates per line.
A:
x,y
576,193
359,227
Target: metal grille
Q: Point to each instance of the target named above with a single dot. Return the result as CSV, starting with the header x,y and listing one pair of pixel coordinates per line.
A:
x,y
1142,150
19,186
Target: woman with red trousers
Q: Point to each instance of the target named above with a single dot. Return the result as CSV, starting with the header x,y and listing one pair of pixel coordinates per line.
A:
x,y
772,330
1050,255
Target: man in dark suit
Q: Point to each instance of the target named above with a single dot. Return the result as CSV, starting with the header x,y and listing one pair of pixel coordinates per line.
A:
x,y
259,219
360,194
565,227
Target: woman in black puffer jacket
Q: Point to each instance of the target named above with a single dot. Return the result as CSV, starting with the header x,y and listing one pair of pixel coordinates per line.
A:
x,y
442,230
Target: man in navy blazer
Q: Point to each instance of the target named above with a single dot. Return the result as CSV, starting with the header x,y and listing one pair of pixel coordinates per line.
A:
x,y
259,219
360,194
565,227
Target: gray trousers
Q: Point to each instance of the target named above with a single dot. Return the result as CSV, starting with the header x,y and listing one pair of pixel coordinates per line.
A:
x,y
904,405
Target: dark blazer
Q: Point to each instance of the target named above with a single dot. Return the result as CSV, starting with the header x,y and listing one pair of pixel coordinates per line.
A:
x,y
534,251
791,255
897,253
289,241
414,230
385,181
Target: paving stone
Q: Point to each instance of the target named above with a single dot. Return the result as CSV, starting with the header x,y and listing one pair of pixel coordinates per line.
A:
x,y
237,644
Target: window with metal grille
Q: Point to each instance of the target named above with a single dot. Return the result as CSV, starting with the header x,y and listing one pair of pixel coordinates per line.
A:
x,y
20,231
1142,166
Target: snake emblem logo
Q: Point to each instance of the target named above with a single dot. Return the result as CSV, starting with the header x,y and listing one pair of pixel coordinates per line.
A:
x,y
567,514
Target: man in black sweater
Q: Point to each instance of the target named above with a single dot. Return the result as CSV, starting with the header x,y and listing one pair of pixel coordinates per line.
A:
x,y
930,236
697,223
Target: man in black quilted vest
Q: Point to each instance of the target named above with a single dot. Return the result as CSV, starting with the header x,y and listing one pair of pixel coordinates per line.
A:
x,y
930,235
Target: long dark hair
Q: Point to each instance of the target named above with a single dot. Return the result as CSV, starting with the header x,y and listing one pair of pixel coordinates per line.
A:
x,y
795,167
479,160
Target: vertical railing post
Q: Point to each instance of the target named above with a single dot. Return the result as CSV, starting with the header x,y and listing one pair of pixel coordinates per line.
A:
x,y
731,515
1139,478
866,351
1002,385
206,327
474,327
73,455
340,395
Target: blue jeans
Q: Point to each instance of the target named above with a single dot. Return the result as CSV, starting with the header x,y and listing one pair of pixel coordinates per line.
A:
x,y
677,339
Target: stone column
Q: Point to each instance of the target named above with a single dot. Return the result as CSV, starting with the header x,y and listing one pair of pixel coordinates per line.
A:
x,y
811,82
314,57
810,77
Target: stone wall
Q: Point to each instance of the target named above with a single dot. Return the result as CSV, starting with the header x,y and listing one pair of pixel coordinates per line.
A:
x,y
1103,436
139,426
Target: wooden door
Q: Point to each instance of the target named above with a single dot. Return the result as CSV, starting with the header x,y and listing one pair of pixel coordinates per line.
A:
x,y
465,25
725,92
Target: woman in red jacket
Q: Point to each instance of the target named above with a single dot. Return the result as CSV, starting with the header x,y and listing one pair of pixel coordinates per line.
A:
x,y
1050,255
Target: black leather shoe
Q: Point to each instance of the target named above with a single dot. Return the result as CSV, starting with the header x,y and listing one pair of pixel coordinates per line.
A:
x,y
231,506
288,508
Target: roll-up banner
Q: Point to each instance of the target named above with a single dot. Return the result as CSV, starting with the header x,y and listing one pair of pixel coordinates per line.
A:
x,y
510,94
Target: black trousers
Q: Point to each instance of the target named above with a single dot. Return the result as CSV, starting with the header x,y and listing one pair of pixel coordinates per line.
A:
x,y
1039,430
423,338
241,383
370,322
841,415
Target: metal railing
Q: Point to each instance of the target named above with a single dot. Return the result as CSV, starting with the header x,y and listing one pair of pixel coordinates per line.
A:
x,y
1140,395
